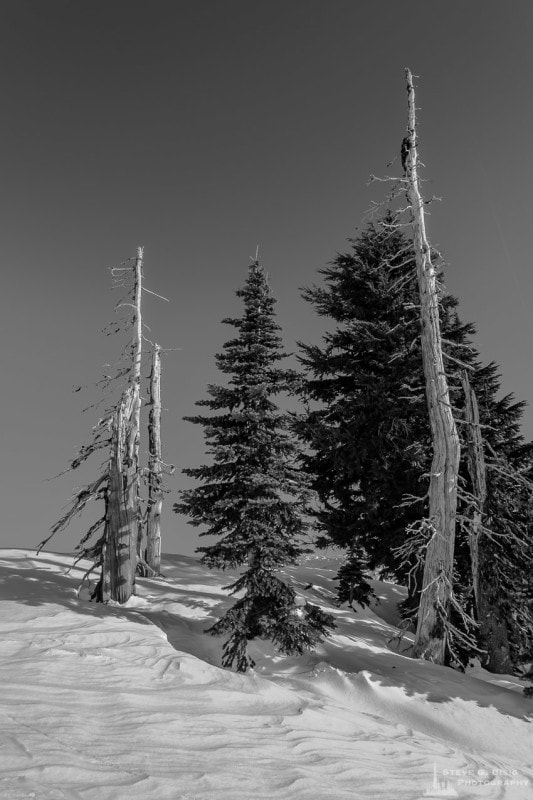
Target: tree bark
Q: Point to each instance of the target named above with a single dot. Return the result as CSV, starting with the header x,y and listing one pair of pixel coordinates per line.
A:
x,y
123,508
120,551
430,641
135,376
476,468
155,489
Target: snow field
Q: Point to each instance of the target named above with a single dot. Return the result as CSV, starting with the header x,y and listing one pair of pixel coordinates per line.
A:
x,y
113,703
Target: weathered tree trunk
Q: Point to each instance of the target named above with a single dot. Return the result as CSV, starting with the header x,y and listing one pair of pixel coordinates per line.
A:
x,y
120,554
155,489
103,588
430,641
476,468
493,629
135,375
122,514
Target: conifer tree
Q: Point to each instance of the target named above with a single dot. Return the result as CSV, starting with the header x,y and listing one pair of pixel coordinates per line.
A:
x,y
505,613
367,428
254,495
369,447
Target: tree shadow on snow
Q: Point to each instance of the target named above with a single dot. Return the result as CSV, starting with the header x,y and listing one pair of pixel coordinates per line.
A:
x,y
370,649
40,581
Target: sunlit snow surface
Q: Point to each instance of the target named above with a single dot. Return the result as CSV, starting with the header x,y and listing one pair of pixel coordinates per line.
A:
x,y
111,703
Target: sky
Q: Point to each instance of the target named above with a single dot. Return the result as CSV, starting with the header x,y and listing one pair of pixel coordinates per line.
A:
x,y
201,130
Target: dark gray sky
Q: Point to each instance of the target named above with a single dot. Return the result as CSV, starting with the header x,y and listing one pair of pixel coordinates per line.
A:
x,y
200,129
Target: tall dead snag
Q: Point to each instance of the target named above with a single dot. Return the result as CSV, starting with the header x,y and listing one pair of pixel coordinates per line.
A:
x,y
478,476
155,488
117,551
430,641
119,560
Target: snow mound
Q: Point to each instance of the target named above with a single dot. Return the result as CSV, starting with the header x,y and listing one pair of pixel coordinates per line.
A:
x,y
124,702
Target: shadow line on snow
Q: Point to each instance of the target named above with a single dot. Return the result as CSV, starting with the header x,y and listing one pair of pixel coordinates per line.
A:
x,y
30,581
32,585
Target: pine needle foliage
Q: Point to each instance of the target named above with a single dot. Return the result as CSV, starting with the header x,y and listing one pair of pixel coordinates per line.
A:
x,y
254,495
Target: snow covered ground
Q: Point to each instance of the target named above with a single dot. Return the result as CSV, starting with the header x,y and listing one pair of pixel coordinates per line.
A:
x,y
113,703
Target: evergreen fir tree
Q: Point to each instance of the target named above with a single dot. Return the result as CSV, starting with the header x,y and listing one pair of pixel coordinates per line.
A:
x,y
369,445
254,495
506,558
367,429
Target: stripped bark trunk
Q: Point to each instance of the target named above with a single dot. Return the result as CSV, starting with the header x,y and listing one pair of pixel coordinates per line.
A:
x,y
493,629
476,468
120,553
122,514
430,641
103,589
135,375
155,489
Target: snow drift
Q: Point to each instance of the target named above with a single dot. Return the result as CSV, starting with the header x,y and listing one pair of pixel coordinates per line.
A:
x,y
119,703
